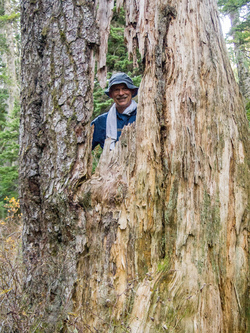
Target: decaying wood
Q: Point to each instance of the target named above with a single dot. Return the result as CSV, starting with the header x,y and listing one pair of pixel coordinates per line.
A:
x,y
165,214
104,16
156,239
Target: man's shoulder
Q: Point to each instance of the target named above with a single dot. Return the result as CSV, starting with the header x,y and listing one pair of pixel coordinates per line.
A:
x,y
101,118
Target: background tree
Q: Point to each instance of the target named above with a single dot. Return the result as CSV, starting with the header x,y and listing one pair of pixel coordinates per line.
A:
x,y
9,100
156,239
239,13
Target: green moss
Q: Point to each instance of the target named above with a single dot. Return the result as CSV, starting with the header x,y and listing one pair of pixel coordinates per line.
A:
x,y
63,36
164,265
242,175
170,222
169,311
44,31
206,208
169,216
210,237
72,101
210,218
56,106
119,326
85,200
200,266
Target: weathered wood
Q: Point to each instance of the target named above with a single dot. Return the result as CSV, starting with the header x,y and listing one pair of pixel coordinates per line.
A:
x,y
166,217
156,239
104,16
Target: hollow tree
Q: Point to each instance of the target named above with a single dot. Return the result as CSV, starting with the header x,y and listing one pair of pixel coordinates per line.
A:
x,y
156,239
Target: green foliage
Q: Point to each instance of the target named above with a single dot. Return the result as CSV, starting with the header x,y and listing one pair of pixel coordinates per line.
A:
x,y
102,102
8,157
9,119
1,7
118,17
228,6
11,17
3,45
241,30
117,57
3,99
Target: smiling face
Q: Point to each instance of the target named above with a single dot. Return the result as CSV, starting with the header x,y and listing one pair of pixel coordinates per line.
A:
x,y
121,95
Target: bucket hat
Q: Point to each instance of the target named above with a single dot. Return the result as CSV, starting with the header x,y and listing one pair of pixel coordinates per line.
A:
x,y
119,78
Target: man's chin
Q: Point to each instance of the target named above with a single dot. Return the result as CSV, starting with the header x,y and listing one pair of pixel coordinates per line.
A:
x,y
121,105
124,101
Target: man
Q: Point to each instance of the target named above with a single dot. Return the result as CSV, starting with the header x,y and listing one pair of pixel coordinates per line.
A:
x,y
123,112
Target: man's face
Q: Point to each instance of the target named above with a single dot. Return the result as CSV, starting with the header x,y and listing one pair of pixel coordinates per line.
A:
x,y
121,95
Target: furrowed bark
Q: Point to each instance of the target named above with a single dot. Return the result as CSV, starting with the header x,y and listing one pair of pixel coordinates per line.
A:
x,y
55,138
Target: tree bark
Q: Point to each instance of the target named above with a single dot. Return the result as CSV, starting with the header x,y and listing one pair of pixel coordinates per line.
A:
x,y
241,58
58,40
156,239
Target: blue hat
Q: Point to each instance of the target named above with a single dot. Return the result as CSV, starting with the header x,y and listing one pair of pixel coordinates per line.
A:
x,y
121,78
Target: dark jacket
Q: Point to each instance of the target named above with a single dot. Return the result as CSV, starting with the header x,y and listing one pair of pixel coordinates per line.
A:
x,y
99,135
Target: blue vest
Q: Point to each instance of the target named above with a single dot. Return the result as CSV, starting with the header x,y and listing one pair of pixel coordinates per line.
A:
x,y
99,135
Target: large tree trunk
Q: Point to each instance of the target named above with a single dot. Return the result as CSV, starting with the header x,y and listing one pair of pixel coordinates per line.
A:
x,y
55,137
156,239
